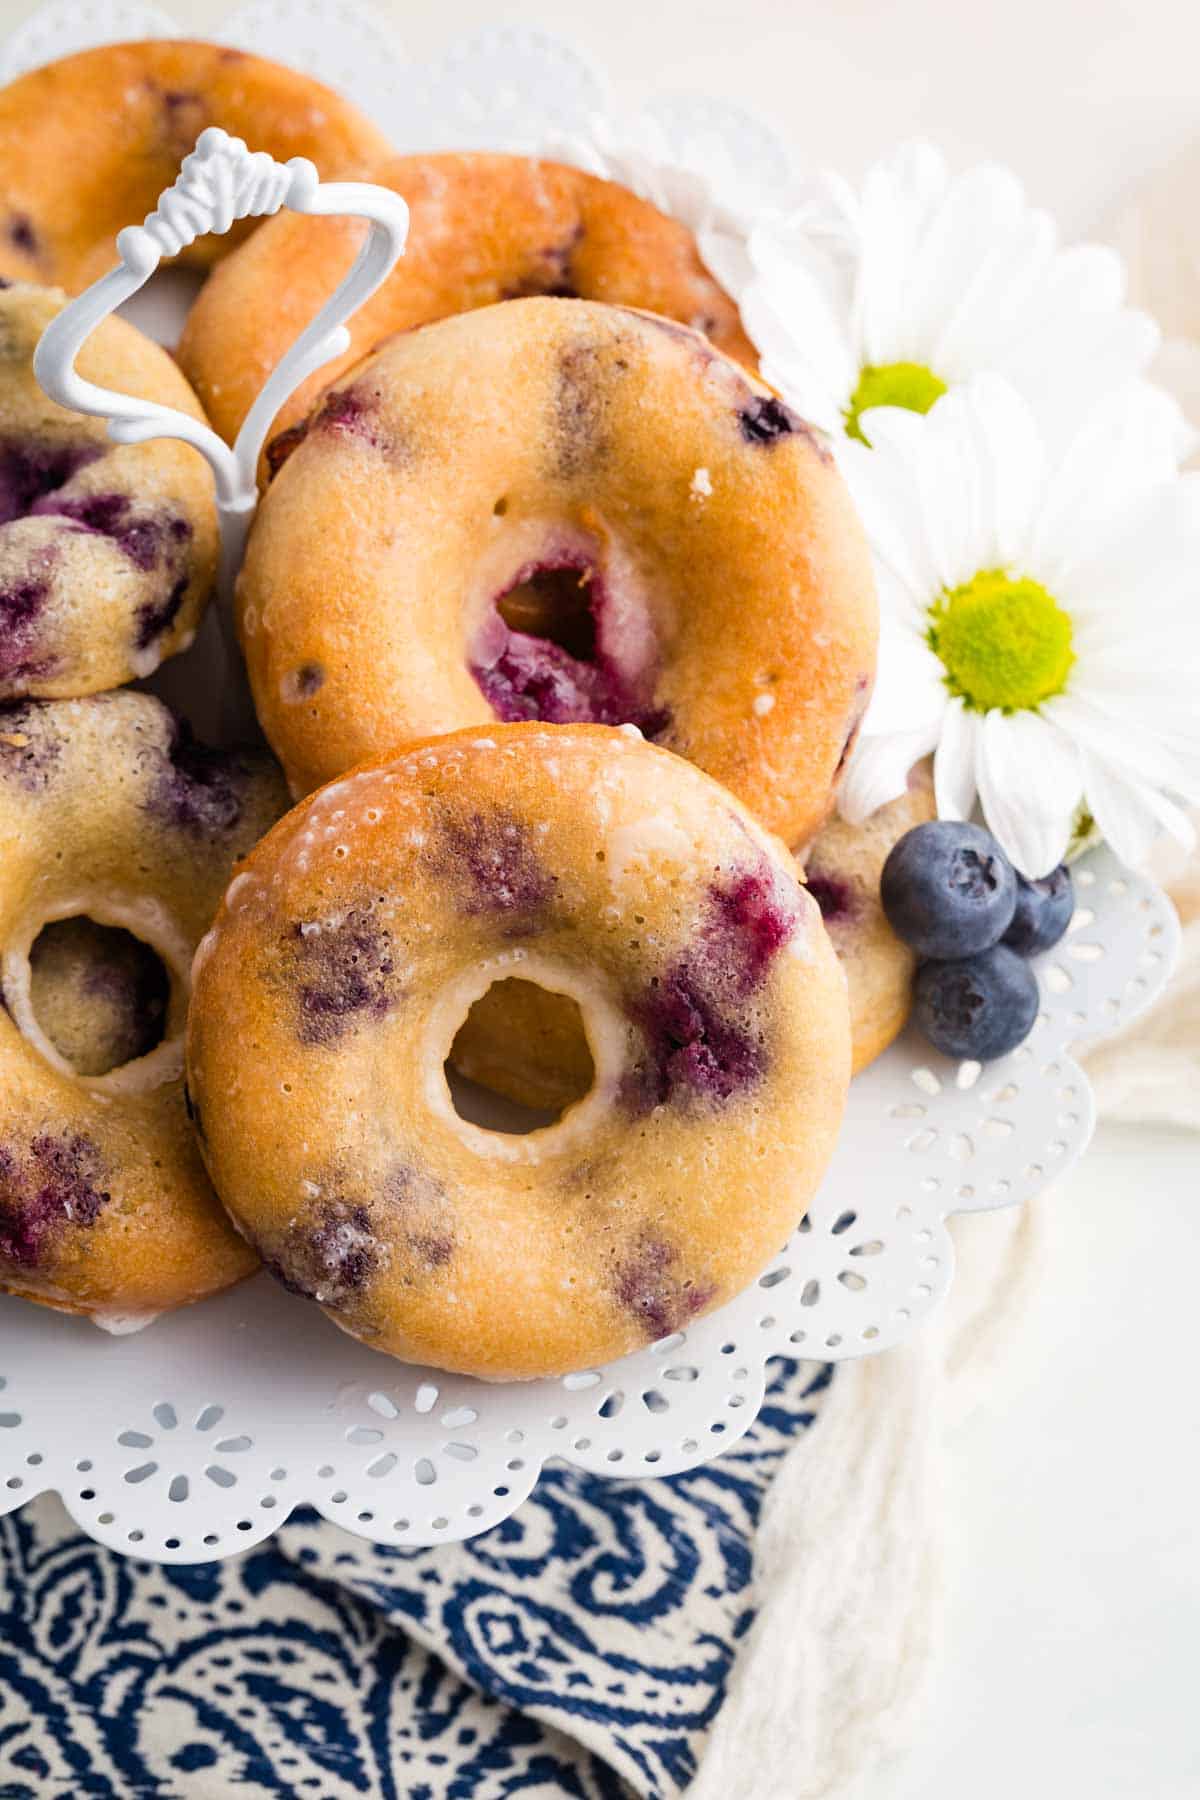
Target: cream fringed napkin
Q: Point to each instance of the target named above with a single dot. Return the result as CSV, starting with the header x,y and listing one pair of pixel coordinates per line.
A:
x,y
831,1680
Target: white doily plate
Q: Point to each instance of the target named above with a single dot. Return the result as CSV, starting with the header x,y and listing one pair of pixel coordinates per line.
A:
x,y
195,1439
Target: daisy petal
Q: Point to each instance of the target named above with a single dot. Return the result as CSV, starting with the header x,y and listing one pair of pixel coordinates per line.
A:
x,y
1128,813
1030,786
1012,466
909,689
954,763
879,768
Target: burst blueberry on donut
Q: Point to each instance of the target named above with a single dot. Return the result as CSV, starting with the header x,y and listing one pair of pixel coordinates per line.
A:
x,y
88,143
557,510
117,837
107,552
356,938
484,228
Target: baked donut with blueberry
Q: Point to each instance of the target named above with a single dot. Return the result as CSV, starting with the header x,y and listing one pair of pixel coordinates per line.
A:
x,y
557,510
357,936
483,228
519,1042
842,870
88,143
113,826
108,551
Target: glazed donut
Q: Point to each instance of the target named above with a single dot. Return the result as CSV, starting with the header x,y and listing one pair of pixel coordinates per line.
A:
x,y
483,228
842,871
555,509
109,813
357,936
107,551
88,144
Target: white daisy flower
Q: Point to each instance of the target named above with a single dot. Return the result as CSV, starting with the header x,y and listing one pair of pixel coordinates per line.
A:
x,y
893,293
1040,624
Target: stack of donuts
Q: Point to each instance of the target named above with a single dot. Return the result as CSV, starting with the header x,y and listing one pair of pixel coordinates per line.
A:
x,y
560,626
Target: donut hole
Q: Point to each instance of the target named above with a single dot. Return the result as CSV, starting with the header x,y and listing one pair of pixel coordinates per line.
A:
x,y
99,994
554,604
520,1058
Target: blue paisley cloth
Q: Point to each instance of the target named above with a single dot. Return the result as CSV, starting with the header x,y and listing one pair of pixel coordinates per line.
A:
x,y
581,1648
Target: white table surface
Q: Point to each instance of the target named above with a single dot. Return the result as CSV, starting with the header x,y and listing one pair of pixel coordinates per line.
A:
x,y
1075,1622
1075,1613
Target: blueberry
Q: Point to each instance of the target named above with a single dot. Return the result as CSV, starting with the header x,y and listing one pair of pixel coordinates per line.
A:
x,y
980,1007
1044,910
948,890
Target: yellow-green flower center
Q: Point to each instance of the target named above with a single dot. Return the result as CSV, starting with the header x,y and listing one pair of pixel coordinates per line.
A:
x,y
906,384
1003,641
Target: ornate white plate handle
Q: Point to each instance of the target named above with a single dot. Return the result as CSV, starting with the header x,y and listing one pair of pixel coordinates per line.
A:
x,y
220,182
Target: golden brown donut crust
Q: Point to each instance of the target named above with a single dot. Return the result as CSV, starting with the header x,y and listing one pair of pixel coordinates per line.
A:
x,y
349,946
729,566
106,812
87,145
483,228
114,546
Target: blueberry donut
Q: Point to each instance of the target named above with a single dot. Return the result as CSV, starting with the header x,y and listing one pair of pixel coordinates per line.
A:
x,y
87,145
484,228
556,510
842,870
112,821
107,552
356,938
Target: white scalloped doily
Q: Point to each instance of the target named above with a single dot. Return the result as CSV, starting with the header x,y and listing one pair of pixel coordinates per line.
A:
x,y
196,1438
507,88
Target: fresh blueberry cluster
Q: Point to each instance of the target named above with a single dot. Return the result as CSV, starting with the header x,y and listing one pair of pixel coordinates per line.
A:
x,y
952,895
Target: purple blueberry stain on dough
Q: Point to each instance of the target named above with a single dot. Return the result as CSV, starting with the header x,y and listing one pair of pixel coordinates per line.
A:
x,y
343,974
550,275
56,1182
578,676
418,1203
499,866
21,234
198,790
330,1257
835,898
751,924
579,434
693,1049
649,1285
765,419
185,115
700,1042
350,413
31,470
308,680
154,618
145,541
20,610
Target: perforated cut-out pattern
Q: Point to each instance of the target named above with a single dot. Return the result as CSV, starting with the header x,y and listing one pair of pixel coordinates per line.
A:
x,y
197,1438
